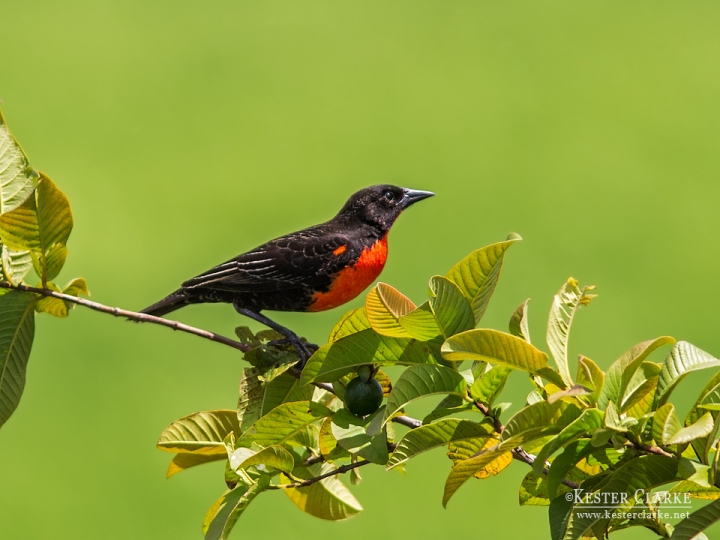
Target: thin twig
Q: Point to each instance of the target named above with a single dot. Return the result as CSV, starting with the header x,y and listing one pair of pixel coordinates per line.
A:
x,y
339,470
295,372
132,315
412,423
489,414
653,450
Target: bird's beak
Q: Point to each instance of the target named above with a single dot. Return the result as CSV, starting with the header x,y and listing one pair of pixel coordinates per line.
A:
x,y
414,195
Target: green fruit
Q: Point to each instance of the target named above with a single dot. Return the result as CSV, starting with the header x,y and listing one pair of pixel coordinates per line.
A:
x,y
363,397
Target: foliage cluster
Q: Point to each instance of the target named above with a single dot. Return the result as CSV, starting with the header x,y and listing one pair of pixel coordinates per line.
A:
x,y
35,224
584,431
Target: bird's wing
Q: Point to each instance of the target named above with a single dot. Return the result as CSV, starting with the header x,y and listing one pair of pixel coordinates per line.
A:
x,y
301,259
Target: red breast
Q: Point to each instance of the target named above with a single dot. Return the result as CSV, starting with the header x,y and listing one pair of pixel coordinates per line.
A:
x,y
352,280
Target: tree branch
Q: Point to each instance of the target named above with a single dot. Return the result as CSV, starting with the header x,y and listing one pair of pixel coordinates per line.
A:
x,y
412,423
132,315
518,452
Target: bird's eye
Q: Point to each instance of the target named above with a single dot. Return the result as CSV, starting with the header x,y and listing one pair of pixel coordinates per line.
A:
x,y
389,195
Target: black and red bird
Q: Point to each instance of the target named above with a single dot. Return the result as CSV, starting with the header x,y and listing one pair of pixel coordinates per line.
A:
x,y
314,269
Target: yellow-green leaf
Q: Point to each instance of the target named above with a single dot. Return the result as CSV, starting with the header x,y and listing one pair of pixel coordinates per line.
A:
x,y
182,462
564,307
667,428
621,372
478,273
273,456
327,499
201,432
519,322
283,424
16,264
384,305
499,348
17,178
421,323
351,323
452,310
683,358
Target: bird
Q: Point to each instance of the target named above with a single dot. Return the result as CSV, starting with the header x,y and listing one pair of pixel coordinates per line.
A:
x,y
310,270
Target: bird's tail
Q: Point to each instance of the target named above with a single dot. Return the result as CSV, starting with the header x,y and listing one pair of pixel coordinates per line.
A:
x,y
168,304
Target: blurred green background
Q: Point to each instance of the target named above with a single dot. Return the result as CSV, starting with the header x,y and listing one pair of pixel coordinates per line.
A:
x,y
187,132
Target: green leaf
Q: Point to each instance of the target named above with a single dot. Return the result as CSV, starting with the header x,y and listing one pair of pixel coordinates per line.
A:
x,y
351,434
421,323
611,419
17,178
442,432
667,428
589,420
536,421
450,405
499,348
334,360
590,376
559,514
683,359
698,521
451,308
487,387
201,432
572,393
478,273
641,473
519,322
565,462
250,400
327,499
423,380
384,305
623,369
16,264
284,424
351,323
284,389
272,456
17,329
533,490
565,304
182,462
223,515
640,391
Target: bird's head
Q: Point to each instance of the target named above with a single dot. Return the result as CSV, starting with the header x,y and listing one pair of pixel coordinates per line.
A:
x,y
380,205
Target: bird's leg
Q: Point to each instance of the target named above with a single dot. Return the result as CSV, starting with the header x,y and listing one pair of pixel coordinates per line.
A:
x,y
301,347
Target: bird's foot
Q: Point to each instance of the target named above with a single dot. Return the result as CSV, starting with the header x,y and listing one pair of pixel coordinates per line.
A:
x,y
304,350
